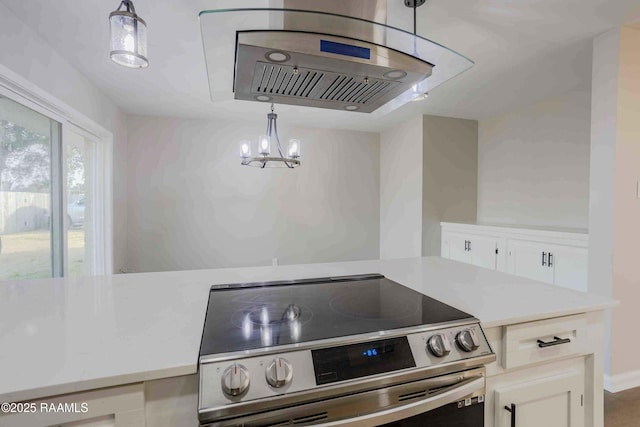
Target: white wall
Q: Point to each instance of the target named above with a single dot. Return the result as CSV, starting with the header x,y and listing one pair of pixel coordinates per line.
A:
x,y
615,205
533,164
27,54
401,190
192,205
603,169
450,171
626,272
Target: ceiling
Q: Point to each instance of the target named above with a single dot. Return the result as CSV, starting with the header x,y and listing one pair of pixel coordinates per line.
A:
x,y
524,50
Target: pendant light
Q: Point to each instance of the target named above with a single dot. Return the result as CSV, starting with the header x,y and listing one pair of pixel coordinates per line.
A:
x,y
264,158
128,37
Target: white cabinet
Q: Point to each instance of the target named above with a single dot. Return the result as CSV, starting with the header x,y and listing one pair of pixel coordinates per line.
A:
x,y
549,371
470,248
561,265
455,247
555,401
529,259
570,267
121,406
484,251
550,256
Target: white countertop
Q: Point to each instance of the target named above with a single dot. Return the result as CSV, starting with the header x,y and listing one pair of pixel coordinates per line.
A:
x,y
522,228
59,336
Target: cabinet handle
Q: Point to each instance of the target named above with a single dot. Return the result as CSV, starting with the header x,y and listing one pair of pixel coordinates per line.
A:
x,y
469,245
556,341
512,409
466,245
544,259
550,259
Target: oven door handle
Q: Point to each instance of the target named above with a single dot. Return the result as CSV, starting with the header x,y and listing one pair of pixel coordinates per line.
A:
x,y
455,394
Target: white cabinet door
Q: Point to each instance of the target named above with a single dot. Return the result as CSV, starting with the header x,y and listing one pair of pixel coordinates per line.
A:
x,y
98,422
454,247
529,259
470,248
548,402
483,251
570,267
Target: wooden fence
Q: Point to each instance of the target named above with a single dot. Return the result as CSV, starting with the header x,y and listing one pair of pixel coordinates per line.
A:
x,y
21,212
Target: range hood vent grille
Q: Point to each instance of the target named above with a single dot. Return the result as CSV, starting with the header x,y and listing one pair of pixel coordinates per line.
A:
x,y
283,80
276,80
351,90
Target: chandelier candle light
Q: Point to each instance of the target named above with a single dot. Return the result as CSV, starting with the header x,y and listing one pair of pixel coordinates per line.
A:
x,y
128,37
264,158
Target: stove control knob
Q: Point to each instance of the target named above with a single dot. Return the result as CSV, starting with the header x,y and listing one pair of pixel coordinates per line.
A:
x,y
279,372
235,380
467,340
439,345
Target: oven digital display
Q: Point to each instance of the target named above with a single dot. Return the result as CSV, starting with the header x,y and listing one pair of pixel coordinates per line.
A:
x,y
368,353
359,360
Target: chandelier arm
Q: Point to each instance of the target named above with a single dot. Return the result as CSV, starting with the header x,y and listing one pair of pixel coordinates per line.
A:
x,y
280,148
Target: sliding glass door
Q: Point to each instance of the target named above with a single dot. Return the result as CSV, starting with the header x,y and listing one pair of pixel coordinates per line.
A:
x,y
55,194
30,238
81,222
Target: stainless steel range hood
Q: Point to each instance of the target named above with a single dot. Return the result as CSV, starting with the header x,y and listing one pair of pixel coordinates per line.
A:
x,y
317,70
320,59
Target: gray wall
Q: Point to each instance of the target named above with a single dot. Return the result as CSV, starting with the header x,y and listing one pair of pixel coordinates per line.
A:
x,y
401,190
192,205
450,170
533,164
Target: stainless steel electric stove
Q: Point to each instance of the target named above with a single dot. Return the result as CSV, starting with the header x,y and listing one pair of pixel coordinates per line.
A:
x,y
355,350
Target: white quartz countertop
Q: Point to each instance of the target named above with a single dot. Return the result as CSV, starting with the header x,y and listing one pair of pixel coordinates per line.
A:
x,y
59,336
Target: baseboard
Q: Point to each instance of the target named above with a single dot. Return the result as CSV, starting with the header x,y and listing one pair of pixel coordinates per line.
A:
x,y
620,382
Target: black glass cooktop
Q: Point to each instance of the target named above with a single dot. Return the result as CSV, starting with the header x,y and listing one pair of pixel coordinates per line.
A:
x,y
254,315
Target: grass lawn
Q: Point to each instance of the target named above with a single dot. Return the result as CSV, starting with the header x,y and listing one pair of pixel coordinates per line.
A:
x,y
28,255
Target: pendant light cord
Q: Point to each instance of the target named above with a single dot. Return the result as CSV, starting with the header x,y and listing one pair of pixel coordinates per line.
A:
x,y
415,21
415,28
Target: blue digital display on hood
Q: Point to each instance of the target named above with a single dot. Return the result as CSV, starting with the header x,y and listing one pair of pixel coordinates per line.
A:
x,y
345,49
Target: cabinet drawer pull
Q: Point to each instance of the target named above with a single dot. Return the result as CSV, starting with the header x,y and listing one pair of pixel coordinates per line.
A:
x,y
544,259
512,409
556,341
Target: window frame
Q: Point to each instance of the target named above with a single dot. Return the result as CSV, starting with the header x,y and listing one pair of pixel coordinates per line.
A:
x,y
20,90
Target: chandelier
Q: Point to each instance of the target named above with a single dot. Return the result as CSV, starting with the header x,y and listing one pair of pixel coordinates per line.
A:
x,y
128,37
264,158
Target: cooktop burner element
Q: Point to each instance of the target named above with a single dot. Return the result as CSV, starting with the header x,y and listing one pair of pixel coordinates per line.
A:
x,y
273,353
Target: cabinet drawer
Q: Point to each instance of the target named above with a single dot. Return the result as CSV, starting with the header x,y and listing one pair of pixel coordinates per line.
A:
x,y
544,340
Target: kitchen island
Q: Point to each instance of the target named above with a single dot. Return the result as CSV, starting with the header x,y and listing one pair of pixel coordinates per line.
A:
x,y
127,345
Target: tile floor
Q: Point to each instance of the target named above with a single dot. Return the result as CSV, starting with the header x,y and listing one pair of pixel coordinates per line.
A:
x,y
622,409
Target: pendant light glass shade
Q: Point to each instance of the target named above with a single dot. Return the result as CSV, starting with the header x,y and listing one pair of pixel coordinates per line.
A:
x,y
245,149
128,37
294,148
264,145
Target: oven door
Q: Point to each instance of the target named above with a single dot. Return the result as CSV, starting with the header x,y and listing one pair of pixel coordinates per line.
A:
x,y
449,400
